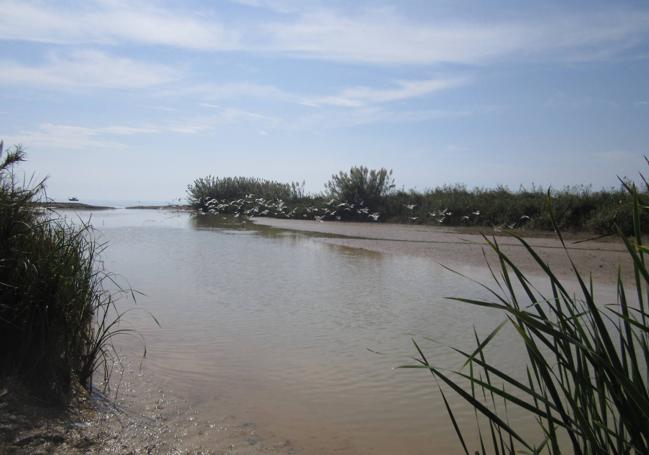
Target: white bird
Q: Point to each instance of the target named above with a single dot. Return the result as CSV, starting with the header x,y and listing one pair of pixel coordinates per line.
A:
x,y
476,213
410,206
375,216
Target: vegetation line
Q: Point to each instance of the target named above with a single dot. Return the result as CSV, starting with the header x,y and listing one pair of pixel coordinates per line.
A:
x,y
371,195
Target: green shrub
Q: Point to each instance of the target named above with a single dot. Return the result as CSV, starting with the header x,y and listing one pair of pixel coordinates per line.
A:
x,y
231,188
361,186
55,327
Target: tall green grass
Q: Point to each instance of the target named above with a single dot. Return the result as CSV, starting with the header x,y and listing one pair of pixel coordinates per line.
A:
x,y
576,208
56,317
587,366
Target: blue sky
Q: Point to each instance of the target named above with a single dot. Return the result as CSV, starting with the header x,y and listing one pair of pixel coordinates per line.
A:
x,y
133,100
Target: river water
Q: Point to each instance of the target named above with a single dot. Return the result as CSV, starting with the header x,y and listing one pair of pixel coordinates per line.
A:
x,y
297,336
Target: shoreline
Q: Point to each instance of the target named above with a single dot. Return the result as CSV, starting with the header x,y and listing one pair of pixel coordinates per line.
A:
x,y
459,247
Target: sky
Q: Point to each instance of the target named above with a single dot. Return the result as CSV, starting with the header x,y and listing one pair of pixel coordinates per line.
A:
x,y
134,100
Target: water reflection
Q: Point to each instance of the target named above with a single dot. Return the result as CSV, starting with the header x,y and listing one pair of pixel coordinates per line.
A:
x,y
297,335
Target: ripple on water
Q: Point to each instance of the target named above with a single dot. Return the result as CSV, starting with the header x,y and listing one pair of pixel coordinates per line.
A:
x,y
300,336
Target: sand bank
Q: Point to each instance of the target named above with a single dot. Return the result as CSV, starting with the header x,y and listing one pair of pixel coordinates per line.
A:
x,y
465,246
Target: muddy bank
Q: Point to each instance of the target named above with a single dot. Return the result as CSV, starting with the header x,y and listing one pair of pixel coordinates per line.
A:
x,y
137,416
457,247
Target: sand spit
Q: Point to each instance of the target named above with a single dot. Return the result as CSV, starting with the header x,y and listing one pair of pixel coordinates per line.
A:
x,y
457,247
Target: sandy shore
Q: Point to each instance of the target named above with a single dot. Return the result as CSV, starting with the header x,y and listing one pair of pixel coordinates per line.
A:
x,y
455,247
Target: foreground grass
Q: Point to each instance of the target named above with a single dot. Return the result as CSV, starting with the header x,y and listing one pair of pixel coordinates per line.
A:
x,y
56,318
587,364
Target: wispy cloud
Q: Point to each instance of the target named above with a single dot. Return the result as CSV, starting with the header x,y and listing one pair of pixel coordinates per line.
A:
x,y
111,23
278,6
76,137
362,96
385,37
371,115
87,69
224,116
231,90
65,137
374,36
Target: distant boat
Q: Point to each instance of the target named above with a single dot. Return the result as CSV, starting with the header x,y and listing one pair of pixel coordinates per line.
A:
x,y
73,199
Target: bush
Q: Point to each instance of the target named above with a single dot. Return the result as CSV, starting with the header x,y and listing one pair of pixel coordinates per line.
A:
x,y
54,324
361,186
227,189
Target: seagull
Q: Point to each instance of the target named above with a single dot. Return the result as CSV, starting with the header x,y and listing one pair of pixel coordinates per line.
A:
x,y
410,206
476,213
375,216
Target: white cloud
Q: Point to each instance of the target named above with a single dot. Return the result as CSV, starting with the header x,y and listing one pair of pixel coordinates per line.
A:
x,y
77,137
230,90
49,135
361,96
370,115
277,6
377,36
87,69
386,38
110,23
225,116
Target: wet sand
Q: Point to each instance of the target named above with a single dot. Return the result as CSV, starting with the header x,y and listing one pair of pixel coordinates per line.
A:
x,y
458,247
137,415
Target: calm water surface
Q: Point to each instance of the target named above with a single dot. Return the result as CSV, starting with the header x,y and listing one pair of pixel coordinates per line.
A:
x,y
296,335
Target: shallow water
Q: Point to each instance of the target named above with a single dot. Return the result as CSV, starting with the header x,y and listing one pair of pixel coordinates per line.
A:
x,y
296,335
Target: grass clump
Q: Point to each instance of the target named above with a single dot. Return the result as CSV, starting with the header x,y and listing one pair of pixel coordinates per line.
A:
x,y
227,189
587,363
55,328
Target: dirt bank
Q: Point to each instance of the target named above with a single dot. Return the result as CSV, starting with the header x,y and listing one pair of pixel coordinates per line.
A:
x,y
455,247
138,416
